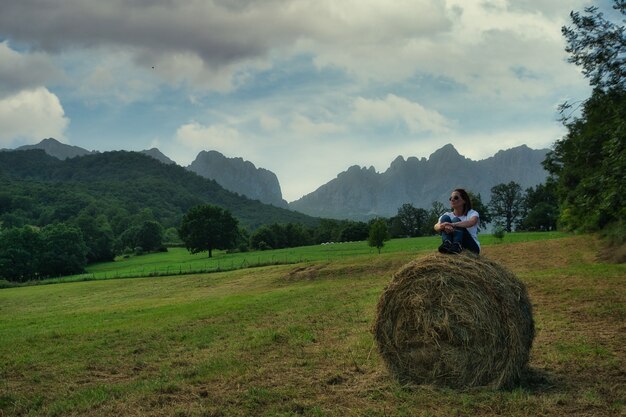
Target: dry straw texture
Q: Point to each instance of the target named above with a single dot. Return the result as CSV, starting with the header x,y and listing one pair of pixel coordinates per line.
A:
x,y
456,321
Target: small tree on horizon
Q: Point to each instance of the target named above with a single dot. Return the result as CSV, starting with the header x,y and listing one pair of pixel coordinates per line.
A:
x,y
505,205
378,234
208,227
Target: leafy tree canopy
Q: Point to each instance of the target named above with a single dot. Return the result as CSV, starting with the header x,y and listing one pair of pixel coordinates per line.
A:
x,y
481,208
378,234
208,227
63,251
590,161
27,253
39,189
505,204
413,221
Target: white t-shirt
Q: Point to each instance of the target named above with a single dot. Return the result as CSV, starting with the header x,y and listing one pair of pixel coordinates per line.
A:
x,y
473,231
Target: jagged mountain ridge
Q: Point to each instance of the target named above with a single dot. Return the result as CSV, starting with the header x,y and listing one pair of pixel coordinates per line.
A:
x,y
238,175
362,193
234,174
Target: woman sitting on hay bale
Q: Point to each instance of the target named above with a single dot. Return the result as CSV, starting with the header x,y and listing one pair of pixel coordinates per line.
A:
x,y
459,227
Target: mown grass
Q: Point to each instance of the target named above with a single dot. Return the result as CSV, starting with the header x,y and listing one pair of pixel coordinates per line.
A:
x,y
287,340
178,261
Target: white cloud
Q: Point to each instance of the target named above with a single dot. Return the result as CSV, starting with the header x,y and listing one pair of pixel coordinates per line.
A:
x,y
20,71
30,116
269,123
303,125
108,76
207,43
480,45
215,45
394,109
483,145
195,137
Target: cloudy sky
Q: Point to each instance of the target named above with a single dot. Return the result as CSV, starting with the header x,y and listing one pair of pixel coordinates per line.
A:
x,y
304,88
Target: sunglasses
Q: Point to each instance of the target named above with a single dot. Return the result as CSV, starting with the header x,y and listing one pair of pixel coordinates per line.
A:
x,y
456,197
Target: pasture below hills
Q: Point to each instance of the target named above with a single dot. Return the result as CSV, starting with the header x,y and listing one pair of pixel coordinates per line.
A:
x,y
178,261
295,339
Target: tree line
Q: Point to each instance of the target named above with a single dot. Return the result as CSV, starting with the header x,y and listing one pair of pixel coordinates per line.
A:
x,y
205,228
27,252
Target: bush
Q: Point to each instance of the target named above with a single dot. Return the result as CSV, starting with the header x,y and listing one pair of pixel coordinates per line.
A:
x,y
499,232
263,246
614,242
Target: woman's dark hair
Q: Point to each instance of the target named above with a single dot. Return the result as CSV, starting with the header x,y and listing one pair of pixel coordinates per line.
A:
x,y
467,206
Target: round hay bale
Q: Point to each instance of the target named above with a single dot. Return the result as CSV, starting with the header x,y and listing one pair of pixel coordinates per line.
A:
x,y
457,321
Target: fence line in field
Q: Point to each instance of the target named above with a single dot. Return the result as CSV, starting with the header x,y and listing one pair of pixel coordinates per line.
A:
x,y
183,269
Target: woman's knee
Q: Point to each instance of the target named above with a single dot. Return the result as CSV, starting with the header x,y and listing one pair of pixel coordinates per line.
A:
x,y
445,219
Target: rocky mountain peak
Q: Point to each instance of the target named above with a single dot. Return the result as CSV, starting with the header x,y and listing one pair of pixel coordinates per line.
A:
x,y
158,155
445,154
240,176
397,163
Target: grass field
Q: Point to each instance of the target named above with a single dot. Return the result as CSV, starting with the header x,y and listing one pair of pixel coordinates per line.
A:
x,y
295,339
178,261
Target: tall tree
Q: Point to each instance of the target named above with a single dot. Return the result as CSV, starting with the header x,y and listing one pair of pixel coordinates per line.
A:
x,y
378,234
354,231
412,220
505,204
481,208
97,234
540,207
263,238
63,251
596,43
150,236
590,161
19,254
208,227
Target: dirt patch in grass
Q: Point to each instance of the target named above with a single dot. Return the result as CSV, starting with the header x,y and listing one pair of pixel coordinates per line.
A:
x,y
306,272
614,253
380,266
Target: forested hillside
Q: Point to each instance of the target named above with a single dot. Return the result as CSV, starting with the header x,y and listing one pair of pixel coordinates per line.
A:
x,y
39,189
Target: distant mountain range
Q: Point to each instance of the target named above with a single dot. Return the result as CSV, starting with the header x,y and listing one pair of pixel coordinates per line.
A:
x,y
234,174
360,193
40,189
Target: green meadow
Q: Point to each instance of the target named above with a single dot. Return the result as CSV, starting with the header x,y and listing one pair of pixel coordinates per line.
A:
x,y
178,261
288,333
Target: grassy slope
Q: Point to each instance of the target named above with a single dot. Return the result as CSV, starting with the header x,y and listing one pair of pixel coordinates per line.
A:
x,y
179,260
295,340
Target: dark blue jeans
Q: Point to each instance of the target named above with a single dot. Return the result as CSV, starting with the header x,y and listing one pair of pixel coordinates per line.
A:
x,y
459,235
